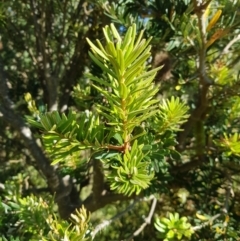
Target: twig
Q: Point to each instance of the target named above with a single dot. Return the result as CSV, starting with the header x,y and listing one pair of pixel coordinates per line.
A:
x,y
207,223
229,191
147,220
229,45
210,221
106,223
86,11
224,209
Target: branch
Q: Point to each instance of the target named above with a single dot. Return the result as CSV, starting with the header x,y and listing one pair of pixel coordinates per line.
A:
x,y
224,208
185,167
98,180
36,191
228,189
229,45
5,100
73,71
147,220
43,57
61,187
207,223
75,67
198,4
63,6
86,11
204,80
106,223
196,115
103,200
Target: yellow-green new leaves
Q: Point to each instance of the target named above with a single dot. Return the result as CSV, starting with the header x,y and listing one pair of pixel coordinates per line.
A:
x,y
173,227
133,174
172,114
231,143
31,105
78,230
128,86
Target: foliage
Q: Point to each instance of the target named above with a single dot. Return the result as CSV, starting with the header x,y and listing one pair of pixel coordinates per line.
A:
x,y
132,175
173,227
128,83
61,229
171,115
36,220
131,112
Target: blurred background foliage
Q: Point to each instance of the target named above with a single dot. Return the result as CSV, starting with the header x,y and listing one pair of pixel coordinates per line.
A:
x,y
44,52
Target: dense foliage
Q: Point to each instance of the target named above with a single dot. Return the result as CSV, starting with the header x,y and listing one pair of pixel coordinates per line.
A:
x,y
119,120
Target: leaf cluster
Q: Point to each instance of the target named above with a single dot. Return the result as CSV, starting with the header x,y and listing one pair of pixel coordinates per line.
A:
x,y
36,220
78,230
128,87
113,132
132,174
173,227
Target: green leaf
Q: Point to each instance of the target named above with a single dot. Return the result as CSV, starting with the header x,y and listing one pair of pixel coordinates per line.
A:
x,y
133,173
97,50
100,64
172,114
170,234
105,155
